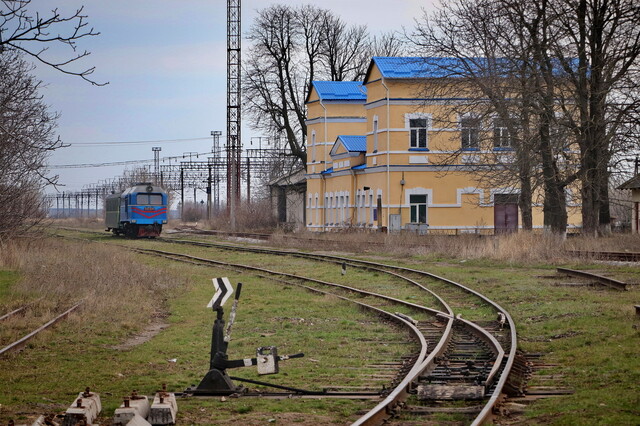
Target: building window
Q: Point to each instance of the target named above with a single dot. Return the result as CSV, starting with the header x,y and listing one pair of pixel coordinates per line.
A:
x,y
313,146
501,135
375,133
418,208
418,128
470,132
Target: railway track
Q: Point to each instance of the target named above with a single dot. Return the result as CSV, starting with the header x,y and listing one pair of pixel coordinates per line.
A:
x,y
20,343
478,359
459,357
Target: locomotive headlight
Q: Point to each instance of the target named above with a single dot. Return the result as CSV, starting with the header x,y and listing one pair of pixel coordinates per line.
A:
x,y
133,220
164,221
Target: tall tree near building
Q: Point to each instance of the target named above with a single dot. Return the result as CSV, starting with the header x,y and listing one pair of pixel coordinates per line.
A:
x,y
576,57
290,48
604,36
507,83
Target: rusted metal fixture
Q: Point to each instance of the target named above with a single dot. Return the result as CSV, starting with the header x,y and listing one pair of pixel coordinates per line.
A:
x,y
609,282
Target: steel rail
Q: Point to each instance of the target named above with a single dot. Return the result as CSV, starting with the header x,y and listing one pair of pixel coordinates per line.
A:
x,y
12,313
486,413
609,282
415,370
21,342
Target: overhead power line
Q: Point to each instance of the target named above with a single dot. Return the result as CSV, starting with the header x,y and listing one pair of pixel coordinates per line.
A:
x,y
137,142
118,163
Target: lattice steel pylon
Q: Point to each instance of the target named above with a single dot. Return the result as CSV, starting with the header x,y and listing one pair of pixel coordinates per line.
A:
x,y
234,143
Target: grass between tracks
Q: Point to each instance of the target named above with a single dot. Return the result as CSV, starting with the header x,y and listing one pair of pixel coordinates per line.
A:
x,y
123,293
590,333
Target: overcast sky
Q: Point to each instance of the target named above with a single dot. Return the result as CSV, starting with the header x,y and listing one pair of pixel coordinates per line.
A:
x,y
165,62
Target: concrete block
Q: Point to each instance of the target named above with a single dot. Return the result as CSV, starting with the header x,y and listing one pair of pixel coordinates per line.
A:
x,y
85,408
130,407
163,409
137,420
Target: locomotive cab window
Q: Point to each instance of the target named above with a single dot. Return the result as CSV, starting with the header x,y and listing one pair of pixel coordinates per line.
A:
x,y
149,199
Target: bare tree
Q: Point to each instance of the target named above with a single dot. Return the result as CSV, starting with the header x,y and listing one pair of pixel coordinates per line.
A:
x,y
290,48
578,62
27,137
32,34
603,37
495,66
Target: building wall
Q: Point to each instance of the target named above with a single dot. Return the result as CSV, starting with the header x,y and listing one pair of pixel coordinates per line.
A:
x,y
455,200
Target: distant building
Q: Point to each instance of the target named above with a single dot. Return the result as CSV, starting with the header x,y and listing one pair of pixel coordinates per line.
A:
x,y
633,184
376,158
288,201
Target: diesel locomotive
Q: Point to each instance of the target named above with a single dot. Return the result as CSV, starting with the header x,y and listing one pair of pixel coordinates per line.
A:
x,y
138,211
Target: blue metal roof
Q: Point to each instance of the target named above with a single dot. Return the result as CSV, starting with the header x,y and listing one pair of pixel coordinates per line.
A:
x,y
416,67
435,67
340,90
328,171
354,143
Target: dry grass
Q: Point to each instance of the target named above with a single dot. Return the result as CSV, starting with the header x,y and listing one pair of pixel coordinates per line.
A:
x,y
513,248
115,289
257,216
80,222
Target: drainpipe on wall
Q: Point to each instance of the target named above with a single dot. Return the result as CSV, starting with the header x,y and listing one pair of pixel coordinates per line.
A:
x,y
388,156
324,182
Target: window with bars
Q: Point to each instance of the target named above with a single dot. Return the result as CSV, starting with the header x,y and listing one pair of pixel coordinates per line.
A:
x,y
418,128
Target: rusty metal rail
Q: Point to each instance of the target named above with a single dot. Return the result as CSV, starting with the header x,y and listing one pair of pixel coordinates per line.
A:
x,y
388,407
12,313
393,401
609,282
20,343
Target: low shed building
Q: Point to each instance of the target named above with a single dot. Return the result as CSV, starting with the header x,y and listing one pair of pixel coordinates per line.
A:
x,y
633,184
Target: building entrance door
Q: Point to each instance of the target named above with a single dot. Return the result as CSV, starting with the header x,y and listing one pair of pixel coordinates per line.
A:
x,y
505,213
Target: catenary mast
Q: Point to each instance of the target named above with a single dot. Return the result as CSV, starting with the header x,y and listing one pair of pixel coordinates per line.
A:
x,y
234,144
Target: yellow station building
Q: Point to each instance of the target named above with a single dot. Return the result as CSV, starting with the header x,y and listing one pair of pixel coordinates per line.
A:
x,y
377,158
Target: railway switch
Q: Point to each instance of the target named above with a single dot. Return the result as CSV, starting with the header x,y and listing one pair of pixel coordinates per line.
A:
x,y
267,360
217,380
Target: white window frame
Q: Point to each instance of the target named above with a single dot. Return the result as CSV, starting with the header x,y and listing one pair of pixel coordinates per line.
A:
x,y
501,134
416,130
469,129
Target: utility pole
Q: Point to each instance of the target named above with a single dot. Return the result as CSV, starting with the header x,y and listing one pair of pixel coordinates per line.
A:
x,y
209,190
156,162
181,194
216,172
234,142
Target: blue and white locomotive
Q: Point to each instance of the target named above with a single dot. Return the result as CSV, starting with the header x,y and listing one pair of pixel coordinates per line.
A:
x,y
138,211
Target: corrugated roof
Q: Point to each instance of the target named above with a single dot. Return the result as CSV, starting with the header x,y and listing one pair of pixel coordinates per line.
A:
x,y
435,67
416,67
354,143
340,90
